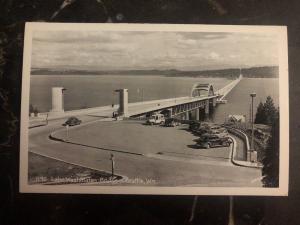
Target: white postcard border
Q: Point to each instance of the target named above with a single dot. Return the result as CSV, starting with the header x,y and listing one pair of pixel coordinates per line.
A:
x,y
282,190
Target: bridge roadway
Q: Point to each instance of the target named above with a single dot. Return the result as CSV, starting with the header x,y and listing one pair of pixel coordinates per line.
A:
x,y
133,108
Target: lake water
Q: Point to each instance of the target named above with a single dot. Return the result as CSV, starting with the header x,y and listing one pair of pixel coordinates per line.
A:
x,y
239,99
92,91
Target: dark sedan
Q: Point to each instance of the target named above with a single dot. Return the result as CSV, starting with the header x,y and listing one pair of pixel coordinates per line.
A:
x,y
72,121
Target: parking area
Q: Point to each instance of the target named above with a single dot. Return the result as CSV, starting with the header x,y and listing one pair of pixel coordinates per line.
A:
x,y
133,136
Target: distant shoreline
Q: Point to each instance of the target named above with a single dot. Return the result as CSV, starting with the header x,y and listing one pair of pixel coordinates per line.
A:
x,y
253,72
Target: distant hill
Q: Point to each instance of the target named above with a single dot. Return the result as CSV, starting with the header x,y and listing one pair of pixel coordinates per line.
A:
x,y
263,72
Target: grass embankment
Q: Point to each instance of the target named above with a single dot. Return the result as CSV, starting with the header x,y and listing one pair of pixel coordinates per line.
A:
x,y
43,170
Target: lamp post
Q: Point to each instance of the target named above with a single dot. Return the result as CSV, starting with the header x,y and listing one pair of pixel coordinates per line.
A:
x,y
252,95
63,95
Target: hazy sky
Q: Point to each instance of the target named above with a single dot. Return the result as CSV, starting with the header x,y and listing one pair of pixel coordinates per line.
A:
x,y
109,50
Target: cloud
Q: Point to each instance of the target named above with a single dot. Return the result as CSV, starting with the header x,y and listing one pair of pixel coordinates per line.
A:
x,y
214,55
151,50
204,35
75,37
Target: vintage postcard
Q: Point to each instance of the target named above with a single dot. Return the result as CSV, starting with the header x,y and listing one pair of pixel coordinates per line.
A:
x,y
154,109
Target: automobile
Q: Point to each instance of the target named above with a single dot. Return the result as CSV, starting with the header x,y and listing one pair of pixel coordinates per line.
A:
x,y
203,128
72,121
222,132
194,125
211,140
171,122
115,115
208,128
156,118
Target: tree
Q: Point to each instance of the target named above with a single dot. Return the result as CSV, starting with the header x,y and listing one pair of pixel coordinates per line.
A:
x,y
260,116
270,161
270,111
266,113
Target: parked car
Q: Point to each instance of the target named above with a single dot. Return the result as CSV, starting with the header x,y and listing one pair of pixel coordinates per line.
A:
x,y
115,114
203,128
209,128
210,141
222,132
72,121
156,118
172,122
194,125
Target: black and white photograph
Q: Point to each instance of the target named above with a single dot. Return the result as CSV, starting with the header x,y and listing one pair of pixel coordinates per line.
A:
x,y
155,109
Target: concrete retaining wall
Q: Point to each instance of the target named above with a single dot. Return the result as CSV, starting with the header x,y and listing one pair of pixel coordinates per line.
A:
x,y
241,135
245,139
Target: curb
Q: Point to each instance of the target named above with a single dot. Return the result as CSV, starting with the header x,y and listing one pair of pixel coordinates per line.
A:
x,y
241,134
239,162
40,125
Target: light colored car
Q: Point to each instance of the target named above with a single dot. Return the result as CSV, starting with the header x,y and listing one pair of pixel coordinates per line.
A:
x,y
156,118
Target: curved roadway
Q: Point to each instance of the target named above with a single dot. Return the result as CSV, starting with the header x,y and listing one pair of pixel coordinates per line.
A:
x,y
165,169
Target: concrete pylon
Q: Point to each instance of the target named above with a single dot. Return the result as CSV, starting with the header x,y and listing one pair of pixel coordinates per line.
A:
x,y
207,107
187,115
57,100
123,102
214,102
171,112
197,112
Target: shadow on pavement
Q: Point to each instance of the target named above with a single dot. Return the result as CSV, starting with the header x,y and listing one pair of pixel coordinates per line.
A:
x,y
90,146
194,155
194,146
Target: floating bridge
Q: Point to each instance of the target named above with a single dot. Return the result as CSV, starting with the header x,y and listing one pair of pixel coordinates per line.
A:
x,y
201,102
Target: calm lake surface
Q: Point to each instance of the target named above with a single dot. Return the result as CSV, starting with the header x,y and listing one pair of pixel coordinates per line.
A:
x,y
239,99
91,91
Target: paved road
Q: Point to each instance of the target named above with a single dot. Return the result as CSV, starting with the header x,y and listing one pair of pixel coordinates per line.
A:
x,y
168,169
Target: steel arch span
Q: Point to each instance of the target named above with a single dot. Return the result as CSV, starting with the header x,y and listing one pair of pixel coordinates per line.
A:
x,y
201,90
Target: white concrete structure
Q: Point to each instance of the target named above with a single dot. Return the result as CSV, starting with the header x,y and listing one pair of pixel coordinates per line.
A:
x,y
207,106
237,118
123,105
187,115
57,100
